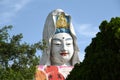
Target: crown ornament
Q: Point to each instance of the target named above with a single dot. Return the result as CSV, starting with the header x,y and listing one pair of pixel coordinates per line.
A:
x,y
62,21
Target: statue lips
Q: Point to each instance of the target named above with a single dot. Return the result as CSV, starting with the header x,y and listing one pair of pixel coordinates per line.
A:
x,y
63,53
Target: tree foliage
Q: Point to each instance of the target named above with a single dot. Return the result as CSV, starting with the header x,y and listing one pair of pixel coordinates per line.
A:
x,y
102,58
17,60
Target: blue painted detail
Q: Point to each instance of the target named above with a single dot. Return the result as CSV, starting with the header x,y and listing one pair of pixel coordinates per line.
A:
x,y
62,30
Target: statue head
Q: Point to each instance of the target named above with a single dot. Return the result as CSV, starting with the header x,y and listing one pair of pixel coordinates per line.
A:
x,y
60,38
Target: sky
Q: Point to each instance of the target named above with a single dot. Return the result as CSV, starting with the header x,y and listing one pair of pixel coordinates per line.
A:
x,y
28,17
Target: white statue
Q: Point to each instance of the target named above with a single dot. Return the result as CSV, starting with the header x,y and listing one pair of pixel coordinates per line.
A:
x,y
62,48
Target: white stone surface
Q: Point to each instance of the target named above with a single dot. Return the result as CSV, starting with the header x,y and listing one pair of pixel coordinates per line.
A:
x,y
49,32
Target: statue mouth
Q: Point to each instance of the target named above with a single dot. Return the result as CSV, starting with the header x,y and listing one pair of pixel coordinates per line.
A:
x,y
63,54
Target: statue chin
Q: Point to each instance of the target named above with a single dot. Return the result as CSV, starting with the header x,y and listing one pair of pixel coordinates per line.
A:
x,y
59,62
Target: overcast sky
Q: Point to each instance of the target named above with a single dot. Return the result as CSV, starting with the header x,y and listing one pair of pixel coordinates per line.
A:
x,y
28,17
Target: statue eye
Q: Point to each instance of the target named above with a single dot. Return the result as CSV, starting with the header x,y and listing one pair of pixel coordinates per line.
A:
x,y
57,44
68,44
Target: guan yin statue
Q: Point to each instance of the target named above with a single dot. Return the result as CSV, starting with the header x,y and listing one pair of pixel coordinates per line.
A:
x,y
62,50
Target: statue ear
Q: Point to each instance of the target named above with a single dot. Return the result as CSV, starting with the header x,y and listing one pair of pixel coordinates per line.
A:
x,y
75,58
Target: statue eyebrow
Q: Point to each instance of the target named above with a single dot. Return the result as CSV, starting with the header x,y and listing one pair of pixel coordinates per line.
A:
x,y
56,39
60,39
68,39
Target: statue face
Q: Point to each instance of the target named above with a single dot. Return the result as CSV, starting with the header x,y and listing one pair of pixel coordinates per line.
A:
x,y
62,49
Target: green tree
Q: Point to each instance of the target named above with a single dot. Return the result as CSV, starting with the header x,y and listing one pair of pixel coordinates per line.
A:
x,y
102,58
18,60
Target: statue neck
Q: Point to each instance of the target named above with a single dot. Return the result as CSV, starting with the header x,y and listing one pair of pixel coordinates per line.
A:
x,y
65,64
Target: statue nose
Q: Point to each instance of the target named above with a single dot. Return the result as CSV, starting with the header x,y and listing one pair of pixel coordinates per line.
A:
x,y
64,47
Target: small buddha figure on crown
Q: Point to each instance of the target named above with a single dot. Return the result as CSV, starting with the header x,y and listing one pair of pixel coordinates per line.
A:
x,y
62,21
